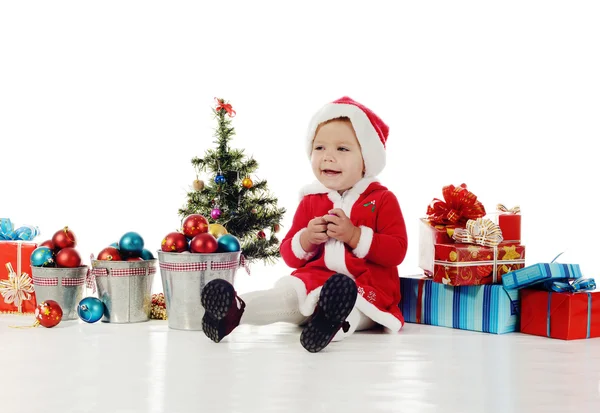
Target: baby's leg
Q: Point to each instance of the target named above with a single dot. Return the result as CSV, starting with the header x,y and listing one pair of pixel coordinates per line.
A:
x,y
224,310
279,304
358,322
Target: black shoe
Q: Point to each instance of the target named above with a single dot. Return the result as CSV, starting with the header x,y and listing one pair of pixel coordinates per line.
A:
x,y
221,312
336,301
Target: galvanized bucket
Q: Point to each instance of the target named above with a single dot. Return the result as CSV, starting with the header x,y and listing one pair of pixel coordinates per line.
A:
x,y
183,278
63,285
125,288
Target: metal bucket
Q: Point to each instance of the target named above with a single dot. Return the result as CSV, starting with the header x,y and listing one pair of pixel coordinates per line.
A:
x,y
125,288
183,278
63,285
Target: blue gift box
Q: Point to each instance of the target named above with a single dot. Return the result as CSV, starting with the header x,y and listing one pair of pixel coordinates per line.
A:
x,y
538,273
488,308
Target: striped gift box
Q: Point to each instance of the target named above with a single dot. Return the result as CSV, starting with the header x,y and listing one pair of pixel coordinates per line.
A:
x,y
488,308
537,273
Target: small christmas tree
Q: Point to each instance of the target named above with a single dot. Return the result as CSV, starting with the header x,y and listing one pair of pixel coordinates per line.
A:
x,y
231,197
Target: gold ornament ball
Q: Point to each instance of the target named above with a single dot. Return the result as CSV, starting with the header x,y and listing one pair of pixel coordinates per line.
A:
x,y
198,185
216,230
247,183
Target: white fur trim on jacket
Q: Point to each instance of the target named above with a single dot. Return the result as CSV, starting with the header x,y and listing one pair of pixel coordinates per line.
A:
x,y
335,257
373,151
297,247
391,323
364,243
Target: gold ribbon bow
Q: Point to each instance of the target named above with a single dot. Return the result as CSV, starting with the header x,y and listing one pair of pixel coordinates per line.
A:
x,y
513,210
17,288
480,231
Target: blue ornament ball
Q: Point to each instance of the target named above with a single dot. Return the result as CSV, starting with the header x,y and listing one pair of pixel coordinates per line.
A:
x,y
132,243
42,257
219,179
90,309
146,255
114,245
228,243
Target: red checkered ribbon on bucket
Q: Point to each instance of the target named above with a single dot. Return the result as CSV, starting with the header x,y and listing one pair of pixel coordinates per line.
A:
x,y
184,266
203,266
122,272
90,280
53,282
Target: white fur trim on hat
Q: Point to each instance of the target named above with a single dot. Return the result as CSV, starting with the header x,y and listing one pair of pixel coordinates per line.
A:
x,y
373,150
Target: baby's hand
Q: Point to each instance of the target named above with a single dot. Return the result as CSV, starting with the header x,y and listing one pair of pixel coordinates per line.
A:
x,y
341,228
316,231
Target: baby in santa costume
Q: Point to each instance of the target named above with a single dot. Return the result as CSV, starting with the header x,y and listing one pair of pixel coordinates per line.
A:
x,y
346,241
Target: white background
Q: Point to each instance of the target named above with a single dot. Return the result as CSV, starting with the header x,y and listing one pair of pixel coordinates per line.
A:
x,y
103,104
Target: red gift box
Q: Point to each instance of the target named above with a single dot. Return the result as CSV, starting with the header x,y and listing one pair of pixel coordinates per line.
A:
x,y
16,295
471,264
566,316
509,221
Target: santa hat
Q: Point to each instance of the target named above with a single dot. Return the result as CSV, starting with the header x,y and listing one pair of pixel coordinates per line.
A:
x,y
370,130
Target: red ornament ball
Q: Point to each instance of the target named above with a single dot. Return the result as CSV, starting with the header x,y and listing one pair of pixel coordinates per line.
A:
x,y
48,243
174,242
193,225
48,313
261,234
204,243
68,258
110,254
64,238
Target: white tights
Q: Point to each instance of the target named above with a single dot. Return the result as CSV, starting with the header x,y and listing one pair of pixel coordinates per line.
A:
x,y
280,304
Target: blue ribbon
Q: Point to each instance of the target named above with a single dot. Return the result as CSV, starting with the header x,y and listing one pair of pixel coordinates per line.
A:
x,y
581,284
24,233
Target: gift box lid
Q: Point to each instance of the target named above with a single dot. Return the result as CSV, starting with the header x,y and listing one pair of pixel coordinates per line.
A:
x,y
541,272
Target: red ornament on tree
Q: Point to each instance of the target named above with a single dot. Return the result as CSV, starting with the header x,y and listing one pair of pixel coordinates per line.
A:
x,y
174,242
64,239
110,254
204,243
68,258
193,225
48,313
261,234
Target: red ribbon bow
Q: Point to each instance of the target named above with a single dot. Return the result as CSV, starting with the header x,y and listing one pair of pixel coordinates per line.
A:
x,y
221,105
460,205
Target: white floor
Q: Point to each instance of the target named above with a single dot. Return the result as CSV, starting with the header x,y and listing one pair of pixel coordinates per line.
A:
x,y
146,367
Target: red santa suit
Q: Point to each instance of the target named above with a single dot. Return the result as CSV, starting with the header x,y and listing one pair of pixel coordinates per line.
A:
x,y
373,264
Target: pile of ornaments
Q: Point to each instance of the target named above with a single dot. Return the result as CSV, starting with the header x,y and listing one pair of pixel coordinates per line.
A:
x,y
130,247
200,237
57,252
49,314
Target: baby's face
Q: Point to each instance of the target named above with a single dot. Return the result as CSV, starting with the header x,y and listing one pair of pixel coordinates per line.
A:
x,y
336,156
